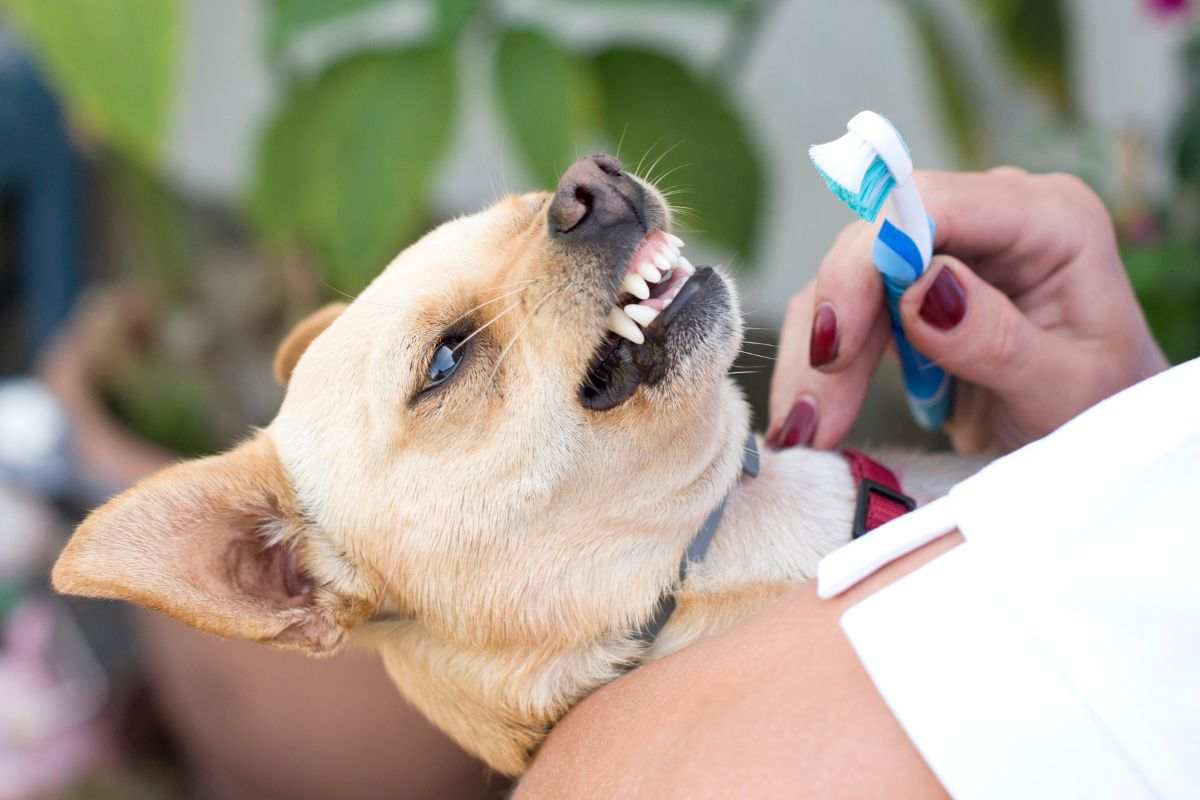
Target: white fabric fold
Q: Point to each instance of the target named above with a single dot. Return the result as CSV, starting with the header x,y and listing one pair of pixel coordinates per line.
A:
x,y
1056,653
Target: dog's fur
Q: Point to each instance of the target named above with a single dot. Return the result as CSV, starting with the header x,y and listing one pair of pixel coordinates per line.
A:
x,y
513,539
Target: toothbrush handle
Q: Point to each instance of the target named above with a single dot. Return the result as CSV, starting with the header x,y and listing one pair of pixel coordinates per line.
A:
x,y
928,388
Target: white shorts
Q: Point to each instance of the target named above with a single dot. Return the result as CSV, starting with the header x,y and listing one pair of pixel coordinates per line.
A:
x,y
1056,652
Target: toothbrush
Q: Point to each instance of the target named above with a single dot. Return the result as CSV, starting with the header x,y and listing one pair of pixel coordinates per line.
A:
x,y
868,166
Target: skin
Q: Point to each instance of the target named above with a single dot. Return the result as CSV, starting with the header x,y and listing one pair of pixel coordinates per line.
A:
x,y
1051,324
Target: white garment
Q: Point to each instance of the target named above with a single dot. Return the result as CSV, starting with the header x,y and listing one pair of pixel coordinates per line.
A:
x,y
1056,652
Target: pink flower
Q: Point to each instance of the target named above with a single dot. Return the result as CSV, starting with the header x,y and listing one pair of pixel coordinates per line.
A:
x,y
1169,8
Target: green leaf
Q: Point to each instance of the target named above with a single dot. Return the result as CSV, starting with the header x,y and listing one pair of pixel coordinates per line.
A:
x,y
345,167
1167,281
684,134
719,4
453,16
1034,36
294,17
547,99
951,78
113,61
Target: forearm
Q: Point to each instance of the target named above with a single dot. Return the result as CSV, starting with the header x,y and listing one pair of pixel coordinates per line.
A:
x,y
779,706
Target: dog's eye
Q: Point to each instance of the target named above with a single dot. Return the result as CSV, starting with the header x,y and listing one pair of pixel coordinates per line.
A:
x,y
446,358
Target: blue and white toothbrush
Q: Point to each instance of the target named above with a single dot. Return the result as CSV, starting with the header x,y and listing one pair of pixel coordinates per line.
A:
x,y
865,168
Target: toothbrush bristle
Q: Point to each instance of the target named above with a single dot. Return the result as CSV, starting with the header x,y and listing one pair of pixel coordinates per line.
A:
x,y
876,187
855,174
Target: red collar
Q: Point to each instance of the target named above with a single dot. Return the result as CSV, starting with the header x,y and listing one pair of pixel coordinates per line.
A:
x,y
880,498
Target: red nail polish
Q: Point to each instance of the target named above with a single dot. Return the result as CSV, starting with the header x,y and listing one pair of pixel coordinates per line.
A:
x,y
945,302
798,428
823,345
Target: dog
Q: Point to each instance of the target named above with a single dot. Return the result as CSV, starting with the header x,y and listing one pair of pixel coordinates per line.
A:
x,y
487,469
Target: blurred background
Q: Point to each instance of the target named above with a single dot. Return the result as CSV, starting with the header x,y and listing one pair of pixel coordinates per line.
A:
x,y
182,180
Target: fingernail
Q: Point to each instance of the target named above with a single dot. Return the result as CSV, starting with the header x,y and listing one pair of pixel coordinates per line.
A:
x,y
945,302
823,345
798,428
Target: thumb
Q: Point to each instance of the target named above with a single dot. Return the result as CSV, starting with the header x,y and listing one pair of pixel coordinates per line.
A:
x,y
973,331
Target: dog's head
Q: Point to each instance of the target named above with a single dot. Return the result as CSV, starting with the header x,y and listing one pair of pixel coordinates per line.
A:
x,y
468,445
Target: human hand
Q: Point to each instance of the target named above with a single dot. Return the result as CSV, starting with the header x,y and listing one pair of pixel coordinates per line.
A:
x,y
1026,303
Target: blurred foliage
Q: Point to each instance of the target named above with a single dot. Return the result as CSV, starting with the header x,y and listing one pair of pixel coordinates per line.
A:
x,y
346,165
548,97
115,62
1162,238
654,104
166,405
294,17
1033,38
345,168
1166,278
953,90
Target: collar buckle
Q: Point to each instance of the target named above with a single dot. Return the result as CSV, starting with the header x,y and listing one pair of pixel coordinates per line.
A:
x,y
878,504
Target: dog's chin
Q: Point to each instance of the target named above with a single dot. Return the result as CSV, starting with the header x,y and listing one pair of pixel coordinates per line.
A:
x,y
698,327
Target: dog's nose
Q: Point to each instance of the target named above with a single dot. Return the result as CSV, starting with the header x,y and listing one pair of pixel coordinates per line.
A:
x,y
594,197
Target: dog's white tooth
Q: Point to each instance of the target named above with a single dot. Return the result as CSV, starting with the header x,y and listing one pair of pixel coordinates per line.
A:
x,y
686,266
621,324
636,285
672,253
662,262
649,272
675,240
642,315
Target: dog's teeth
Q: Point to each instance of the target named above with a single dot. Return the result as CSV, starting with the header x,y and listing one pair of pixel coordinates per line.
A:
x,y
662,262
636,285
622,325
675,240
672,253
642,315
686,266
649,272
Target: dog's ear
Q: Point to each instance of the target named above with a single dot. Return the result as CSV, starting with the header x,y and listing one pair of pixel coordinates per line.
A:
x,y
217,543
301,336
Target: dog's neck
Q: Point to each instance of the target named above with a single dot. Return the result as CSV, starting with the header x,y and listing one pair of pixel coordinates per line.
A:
x,y
501,697
776,528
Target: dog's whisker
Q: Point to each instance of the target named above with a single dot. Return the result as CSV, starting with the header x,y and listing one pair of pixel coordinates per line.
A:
x,y
676,190
757,355
487,325
524,326
497,299
673,170
761,344
638,169
344,295
664,154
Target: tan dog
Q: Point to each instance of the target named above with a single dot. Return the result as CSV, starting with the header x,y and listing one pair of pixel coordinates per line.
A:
x,y
471,451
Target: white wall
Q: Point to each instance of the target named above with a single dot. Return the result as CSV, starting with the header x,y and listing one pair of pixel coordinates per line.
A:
x,y
818,62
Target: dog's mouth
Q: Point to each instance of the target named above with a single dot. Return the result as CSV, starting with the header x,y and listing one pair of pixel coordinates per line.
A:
x,y
658,285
